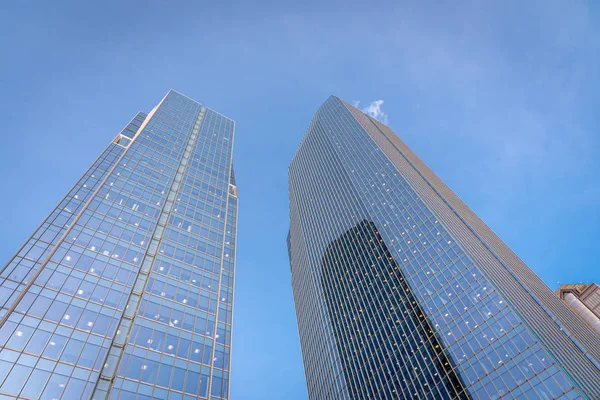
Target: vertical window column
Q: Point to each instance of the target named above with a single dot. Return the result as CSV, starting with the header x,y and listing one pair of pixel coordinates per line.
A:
x,y
117,347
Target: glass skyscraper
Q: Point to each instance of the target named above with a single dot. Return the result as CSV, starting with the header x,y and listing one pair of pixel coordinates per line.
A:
x,y
125,291
402,292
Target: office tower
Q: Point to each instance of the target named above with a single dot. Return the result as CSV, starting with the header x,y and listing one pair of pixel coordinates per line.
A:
x,y
402,292
125,291
584,300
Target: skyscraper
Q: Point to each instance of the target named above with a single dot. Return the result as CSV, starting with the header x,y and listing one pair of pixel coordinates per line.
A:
x,y
401,291
125,291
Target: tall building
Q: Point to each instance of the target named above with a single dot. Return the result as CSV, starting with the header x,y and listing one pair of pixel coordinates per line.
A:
x,y
125,291
402,292
584,300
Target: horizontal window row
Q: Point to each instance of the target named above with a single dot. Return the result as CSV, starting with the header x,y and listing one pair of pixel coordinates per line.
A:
x,y
163,375
57,347
179,251
86,237
196,228
36,383
78,314
86,287
188,294
192,257
172,314
186,273
197,349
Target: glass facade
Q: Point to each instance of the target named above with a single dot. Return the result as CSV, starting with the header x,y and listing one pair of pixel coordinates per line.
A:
x,y
125,291
401,291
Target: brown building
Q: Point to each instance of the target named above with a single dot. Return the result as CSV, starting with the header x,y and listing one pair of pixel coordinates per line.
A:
x,y
584,299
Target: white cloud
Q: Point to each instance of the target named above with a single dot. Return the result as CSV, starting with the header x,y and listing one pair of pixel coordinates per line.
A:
x,y
375,111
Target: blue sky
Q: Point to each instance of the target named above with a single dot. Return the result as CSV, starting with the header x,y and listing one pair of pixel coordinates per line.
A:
x,y
501,100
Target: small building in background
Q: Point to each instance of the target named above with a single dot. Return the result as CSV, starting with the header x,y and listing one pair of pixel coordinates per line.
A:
x,y
584,300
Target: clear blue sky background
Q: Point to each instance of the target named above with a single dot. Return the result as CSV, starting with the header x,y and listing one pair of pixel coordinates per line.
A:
x,y
500,100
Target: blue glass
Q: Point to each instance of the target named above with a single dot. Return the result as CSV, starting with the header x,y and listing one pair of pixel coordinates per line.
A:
x,y
119,290
402,292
